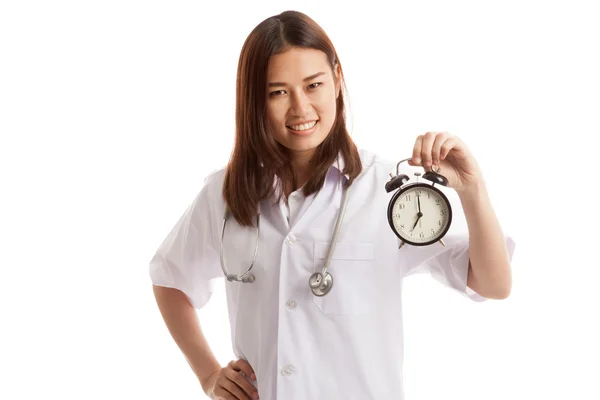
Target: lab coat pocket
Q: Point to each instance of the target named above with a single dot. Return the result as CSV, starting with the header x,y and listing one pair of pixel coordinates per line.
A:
x,y
354,283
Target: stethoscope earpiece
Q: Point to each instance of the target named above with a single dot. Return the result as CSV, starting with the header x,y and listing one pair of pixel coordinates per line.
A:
x,y
320,282
246,279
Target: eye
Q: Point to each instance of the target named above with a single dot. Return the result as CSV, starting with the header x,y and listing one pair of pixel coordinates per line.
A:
x,y
279,92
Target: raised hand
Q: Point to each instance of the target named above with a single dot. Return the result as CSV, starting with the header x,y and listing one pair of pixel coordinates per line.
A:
x,y
451,155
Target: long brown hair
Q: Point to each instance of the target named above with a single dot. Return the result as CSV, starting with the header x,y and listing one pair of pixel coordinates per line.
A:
x,y
257,158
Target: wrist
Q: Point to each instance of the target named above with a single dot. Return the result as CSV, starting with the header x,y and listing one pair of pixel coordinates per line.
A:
x,y
473,191
206,381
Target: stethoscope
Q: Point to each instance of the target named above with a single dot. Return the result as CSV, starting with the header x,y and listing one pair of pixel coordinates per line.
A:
x,y
320,282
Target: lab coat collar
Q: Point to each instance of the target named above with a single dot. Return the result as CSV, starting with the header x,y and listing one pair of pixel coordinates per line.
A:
x,y
339,165
336,167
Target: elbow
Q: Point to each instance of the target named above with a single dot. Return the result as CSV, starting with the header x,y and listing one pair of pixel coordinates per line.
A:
x,y
495,294
497,287
499,292
502,295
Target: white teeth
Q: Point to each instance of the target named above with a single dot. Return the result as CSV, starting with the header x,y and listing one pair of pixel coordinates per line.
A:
x,y
303,127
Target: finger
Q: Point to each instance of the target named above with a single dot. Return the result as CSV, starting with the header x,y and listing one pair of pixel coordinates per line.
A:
x,y
244,371
428,140
416,155
223,394
241,386
448,145
229,391
244,366
440,139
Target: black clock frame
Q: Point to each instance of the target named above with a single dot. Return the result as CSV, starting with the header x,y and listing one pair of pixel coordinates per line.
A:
x,y
399,193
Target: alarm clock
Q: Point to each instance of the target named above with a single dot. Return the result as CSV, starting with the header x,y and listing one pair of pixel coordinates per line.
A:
x,y
418,213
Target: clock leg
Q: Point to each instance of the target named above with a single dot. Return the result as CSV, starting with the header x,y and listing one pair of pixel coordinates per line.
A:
x,y
442,242
401,243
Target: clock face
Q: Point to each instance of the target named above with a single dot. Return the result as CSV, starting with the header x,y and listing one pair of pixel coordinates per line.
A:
x,y
420,214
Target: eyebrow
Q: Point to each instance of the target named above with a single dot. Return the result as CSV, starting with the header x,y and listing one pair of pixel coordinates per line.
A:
x,y
309,78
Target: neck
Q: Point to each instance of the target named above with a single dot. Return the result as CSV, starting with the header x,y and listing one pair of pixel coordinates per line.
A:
x,y
301,161
302,164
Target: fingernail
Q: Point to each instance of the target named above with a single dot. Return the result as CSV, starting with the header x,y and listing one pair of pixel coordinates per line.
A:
x,y
255,395
253,377
418,160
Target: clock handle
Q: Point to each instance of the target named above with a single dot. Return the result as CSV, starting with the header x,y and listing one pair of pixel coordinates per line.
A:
x,y
432,176
398,165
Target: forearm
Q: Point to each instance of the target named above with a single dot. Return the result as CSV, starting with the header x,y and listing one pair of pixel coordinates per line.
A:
x,y
490,271
182,321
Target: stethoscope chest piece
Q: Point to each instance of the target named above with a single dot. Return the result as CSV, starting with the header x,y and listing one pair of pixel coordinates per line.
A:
x,y
320,282
319,286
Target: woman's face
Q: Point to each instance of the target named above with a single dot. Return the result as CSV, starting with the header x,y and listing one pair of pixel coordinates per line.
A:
x,y
301,98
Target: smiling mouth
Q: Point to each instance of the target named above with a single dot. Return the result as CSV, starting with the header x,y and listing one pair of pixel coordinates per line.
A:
x,y
302,127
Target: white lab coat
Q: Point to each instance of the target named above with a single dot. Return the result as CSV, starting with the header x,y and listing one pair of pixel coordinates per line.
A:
x,y
347,345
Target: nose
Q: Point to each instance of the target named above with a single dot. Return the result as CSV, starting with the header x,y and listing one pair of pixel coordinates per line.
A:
x,y
300,103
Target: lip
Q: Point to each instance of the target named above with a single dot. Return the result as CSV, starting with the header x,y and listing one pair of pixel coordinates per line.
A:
x,y
303,122
306,132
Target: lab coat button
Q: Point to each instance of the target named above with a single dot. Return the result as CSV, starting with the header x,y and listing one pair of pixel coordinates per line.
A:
x,y
291,239
287,370
291,304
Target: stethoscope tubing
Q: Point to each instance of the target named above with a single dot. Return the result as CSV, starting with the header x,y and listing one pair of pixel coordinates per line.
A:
x,y
336,230
319,282
246,277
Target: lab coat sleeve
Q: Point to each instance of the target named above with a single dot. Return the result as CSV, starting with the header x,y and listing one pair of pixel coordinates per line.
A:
x,y
188,258
448,265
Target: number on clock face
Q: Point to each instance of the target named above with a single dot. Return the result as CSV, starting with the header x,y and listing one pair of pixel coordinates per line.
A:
x,y
433,222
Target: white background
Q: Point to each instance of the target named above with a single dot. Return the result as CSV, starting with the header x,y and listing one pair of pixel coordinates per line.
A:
x,y
113,112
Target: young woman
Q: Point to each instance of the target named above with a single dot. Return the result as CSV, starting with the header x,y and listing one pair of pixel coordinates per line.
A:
x,y
293,171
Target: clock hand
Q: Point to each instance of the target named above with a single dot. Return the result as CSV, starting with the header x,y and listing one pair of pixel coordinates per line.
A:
x,y
419,215
419,202
416,222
